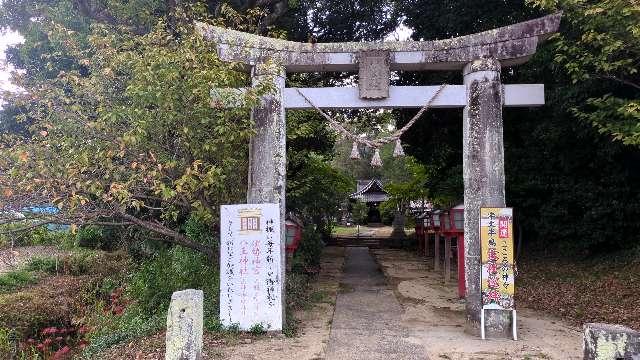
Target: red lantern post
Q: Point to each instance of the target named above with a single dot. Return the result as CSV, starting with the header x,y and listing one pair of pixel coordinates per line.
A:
x,y
435,217
420,232
457,229
428,230
445,221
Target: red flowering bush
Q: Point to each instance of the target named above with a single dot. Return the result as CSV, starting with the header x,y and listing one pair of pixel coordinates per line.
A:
x,y
117,303
56,343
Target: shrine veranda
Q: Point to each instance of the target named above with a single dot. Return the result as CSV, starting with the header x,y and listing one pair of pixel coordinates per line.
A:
x,y
482,95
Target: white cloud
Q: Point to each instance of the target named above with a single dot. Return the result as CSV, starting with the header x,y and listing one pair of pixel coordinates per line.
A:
x,y
7,38
401,33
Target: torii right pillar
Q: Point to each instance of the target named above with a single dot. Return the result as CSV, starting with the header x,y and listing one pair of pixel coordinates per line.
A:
x,y
483,171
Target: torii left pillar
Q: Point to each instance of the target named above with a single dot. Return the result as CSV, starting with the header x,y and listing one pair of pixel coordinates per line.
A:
x,y
268,153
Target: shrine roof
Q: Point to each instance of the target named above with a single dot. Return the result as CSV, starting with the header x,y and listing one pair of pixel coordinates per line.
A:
x,y
373,191
512,45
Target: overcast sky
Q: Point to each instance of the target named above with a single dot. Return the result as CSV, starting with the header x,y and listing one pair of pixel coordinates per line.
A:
x,y
6,38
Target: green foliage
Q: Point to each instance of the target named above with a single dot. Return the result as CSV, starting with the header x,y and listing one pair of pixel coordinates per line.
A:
x,y
114,329
200,232
45,264
89,237
172,270
124,125
315,190
402,193
258,329
307,256
600,43
54,302
7,343
339,20
98,237
15,279
359,212
37,236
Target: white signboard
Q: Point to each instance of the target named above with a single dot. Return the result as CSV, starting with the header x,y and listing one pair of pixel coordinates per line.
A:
x,y
250,283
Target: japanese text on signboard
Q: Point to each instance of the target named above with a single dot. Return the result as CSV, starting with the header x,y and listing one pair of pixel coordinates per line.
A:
x,y
250,283
496,238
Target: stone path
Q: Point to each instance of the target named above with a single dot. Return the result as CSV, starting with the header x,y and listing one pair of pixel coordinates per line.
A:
x,y
366,322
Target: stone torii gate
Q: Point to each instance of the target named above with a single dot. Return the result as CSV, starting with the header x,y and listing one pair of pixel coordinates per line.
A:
x,y
482,95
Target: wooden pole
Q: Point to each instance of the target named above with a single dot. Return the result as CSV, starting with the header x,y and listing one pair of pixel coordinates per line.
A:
x,y
427,239
447,259
436,255
483,171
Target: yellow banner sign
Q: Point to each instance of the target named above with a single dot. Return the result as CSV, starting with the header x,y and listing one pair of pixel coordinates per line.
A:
x,y
496,238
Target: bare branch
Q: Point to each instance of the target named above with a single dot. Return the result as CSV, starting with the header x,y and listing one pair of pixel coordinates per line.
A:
x,y
25,228
617,79
172,236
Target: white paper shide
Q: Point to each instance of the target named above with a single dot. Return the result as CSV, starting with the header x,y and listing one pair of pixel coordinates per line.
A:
x,y
250,283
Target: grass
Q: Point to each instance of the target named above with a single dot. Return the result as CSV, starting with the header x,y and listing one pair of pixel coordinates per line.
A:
x,y
353,230
46,264
344,230
15,279
321,296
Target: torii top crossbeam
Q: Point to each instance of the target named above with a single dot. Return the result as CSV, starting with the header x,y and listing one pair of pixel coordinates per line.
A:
x,y
511,45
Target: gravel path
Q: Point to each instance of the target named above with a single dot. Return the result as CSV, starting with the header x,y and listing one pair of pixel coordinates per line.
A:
x,y
367,319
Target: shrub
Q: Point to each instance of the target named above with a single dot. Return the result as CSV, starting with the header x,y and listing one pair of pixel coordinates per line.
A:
x,y
112,329
307,256
7,342
56,302
43,236
258,329
152,285
46,264
15,279
98,237
89,237
36,236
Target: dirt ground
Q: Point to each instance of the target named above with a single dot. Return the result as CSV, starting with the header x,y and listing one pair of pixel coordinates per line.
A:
x,y
310,344
11,259
435,318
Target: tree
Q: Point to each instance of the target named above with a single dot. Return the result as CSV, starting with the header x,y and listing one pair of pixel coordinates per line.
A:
x,y
601,43
126,134
315,190
359,212
402,193
571,187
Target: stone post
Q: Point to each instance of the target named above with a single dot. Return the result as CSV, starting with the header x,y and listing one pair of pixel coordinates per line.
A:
x,y
185,326
483,172
607,342
268,153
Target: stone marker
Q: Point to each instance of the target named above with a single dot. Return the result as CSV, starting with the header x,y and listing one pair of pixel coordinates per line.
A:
x,y
610,342
184,326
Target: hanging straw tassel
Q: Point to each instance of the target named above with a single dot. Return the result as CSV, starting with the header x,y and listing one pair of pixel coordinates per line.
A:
x,y
376,161
355,153
398,150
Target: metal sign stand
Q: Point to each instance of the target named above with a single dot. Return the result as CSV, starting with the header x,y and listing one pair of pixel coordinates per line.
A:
x,y
496,307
